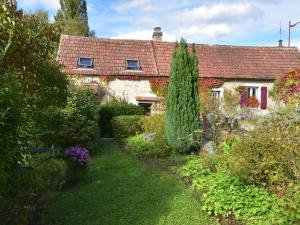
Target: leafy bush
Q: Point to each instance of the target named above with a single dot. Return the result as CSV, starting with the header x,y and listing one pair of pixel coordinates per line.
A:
x,y
142,146
194,168
81,113
77,160
126,126
138,146
114,108
224,152
287,87
43,174
224,195
156,124
269,155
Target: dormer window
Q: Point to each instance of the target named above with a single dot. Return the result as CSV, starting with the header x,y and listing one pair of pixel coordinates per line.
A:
x,y
85,62
132,64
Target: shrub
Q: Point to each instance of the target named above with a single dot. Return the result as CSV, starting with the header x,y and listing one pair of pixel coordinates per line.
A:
x,y
81,115
287,87
269,155
78,159
114,108
143,146
126,126
224,152
138,146
224,195
156,124
231,102
194,168
27,185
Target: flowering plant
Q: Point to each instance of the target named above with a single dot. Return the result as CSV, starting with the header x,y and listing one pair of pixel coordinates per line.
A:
x,y
253,102
149,136
78,155
287,86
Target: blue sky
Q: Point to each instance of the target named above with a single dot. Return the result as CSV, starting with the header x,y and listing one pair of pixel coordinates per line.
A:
x,y
233,22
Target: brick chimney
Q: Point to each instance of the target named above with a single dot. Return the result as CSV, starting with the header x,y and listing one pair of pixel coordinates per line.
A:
x,y
157,34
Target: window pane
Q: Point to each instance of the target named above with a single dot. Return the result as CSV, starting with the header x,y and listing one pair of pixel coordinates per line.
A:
x,y
85,62
132,64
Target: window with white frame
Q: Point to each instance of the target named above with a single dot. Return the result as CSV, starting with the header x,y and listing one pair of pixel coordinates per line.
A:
x,y
85,62
253,91
133,64
216,95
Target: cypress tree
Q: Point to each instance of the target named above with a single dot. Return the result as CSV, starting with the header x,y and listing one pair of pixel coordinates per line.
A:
x,y
183,99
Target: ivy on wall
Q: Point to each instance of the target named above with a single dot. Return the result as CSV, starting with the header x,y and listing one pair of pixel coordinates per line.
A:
x,y
159,85
287,87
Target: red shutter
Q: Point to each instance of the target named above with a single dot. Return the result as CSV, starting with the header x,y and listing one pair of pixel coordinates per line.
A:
x,y
264,97
244,98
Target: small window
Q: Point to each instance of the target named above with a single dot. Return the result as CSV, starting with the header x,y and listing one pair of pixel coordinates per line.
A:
x,y
147,107
215,95
85,62
253,91
132,64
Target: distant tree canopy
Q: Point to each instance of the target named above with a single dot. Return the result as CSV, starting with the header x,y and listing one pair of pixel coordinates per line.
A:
x,y
73,14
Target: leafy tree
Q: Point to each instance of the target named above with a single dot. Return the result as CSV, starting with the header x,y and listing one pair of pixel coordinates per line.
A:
x,y
183,100
73,13
30,83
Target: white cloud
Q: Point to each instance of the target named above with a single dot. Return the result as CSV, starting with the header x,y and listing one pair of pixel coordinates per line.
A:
x,y
221,10
35,4
140,5
143,35
209,31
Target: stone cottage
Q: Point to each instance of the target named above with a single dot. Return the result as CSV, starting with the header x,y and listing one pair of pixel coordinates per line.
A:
x,y
126,68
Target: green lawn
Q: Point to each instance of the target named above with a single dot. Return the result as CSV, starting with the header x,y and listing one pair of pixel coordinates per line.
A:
x,y
125,191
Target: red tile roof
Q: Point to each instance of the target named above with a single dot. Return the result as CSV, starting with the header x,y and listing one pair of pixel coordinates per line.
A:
x,y
218,61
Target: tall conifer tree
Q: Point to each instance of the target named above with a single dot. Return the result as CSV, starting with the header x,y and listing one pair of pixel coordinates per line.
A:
x,y
183,99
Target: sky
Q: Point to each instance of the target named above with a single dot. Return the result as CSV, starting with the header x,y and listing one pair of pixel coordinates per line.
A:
x,y
228,22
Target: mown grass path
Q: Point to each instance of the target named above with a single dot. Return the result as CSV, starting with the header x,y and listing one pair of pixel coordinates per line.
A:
x,y
124,191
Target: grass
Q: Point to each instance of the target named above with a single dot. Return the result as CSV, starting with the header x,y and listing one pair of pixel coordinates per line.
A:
x,y
125,191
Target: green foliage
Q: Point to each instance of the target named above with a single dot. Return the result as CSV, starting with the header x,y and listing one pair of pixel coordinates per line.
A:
x,y
156,124
81,125
269,155
193,168
140,147
287,86
224,195
182,102
224,152
73,14
43,174
113,108
125,190
126,126
231,102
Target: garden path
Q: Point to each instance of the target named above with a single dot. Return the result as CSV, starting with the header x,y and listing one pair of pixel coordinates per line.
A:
x,y
124,191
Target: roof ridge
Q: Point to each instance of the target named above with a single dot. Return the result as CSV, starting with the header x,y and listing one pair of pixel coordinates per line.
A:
x,y
170,42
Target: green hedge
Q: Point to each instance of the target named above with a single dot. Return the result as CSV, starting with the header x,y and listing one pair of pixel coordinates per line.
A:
x,y
115,108
126,126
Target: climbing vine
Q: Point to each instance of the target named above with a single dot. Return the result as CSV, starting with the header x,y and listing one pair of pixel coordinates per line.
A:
x,y
287,87
159,85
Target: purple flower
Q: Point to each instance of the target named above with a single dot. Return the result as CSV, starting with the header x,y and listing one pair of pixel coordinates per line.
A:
x,y
78,155
149,136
